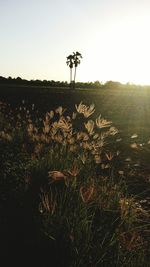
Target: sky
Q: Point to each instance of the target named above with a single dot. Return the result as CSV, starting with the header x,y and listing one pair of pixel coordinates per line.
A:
x,y
113,37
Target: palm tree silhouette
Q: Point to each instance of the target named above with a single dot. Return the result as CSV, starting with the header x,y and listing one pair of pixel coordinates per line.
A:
x,y
73,60
70,63
76,61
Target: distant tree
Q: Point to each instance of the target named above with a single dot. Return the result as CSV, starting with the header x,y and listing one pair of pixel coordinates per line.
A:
x,y
97,84
76,61
2,79
70,63
112,85
18,79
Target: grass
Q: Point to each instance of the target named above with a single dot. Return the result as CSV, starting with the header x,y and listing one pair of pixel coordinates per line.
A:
x,y
71,184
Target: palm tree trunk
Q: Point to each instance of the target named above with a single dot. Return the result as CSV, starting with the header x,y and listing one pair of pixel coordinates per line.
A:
x,y
75,76
70,75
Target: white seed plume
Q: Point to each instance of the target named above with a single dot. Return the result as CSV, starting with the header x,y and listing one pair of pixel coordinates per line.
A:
x,y
90,126
101,123
85,110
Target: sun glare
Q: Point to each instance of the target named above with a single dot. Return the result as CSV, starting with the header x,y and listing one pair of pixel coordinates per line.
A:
x,y
121,53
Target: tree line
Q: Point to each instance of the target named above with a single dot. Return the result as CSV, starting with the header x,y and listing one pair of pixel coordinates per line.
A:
x,y
51,83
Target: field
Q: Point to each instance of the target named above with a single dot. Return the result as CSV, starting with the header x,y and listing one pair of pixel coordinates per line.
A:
x,y
128,109
95,210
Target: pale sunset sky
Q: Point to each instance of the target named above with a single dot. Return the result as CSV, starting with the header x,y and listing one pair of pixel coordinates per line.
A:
x,y
113,37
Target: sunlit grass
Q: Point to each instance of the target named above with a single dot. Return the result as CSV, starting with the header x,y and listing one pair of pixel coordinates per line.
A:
x,y
79,187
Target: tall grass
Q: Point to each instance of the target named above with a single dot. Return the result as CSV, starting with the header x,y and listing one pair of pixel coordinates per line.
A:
x,y
62,168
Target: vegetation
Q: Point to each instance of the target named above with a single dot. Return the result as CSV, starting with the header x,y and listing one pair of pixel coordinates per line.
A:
x,y
85,85
66,191
70,64
73,60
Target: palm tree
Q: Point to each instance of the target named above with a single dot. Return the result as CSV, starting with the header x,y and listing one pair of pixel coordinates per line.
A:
x,y
70,63
76,61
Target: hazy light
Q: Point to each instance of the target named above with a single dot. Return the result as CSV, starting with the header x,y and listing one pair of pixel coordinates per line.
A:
x,y
112,35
